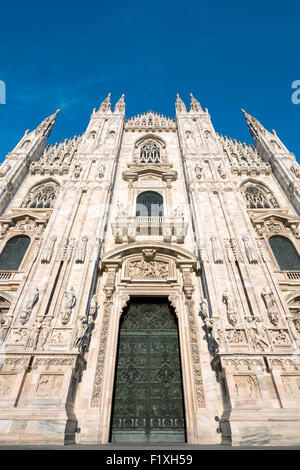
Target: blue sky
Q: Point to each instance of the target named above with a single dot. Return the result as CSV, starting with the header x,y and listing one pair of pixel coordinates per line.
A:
x,y
69,55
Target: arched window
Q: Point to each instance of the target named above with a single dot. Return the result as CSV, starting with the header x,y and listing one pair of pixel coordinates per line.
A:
x,y
4,305
285,253
13,253
149,204
150,153
258,198
42,197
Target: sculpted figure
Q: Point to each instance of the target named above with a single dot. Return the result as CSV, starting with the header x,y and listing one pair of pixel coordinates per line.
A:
x,y
178,212
44,333
204,309
216,333
70,301
198,171
34,334
5,323
270,304
231,314
84,326
30,303
257,333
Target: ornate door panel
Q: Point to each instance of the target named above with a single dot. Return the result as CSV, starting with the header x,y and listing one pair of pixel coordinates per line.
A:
x,y
148,399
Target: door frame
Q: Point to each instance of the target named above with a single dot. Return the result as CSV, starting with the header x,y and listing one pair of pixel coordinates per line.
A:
x,y
167,301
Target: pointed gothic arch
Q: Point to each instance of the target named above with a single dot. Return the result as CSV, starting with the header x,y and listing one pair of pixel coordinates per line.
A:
x,y
258,196
42,195
150,149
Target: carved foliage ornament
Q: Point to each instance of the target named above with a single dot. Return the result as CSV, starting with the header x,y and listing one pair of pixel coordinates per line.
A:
x,y
189,303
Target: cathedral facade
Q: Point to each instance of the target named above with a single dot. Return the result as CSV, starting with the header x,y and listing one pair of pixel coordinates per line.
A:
x,y
150,284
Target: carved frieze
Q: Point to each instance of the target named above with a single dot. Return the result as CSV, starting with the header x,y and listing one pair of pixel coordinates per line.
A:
x,y
292,386
280,337
190,307
49,386
97,388
6,385
17,336
60,337
236,336
144,269
246,387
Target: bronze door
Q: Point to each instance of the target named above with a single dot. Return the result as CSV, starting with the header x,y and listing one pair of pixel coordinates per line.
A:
x,y
148,398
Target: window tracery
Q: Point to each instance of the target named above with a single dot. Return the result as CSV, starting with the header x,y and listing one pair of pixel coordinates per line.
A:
x,y
150,153
259,198
41,197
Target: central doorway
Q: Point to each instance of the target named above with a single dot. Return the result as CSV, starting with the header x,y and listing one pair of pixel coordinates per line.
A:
x,y
148,393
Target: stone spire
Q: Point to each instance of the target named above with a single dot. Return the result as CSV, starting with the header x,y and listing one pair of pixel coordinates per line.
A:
x,y
255,127
106,105
195,105
120,105
179,105
46,126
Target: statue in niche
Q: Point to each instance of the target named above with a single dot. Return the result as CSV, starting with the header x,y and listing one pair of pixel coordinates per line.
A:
x,y
122,210
5,323
257,333
70,301
270,304
198,171
204,309
30,303
43,336
34,334
231,314
178,212
216,334
190,141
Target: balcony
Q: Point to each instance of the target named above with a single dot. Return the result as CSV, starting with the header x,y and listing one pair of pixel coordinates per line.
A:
x,y
292,275
6,276
130,229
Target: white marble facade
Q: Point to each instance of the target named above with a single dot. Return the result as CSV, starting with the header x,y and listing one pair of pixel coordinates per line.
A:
x,y
208,253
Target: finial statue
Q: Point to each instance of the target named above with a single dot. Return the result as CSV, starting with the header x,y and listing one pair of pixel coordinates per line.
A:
x,y
179,105
195,105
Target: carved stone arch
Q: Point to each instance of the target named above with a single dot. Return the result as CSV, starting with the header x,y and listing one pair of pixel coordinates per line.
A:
x,y
291,297
150,140
10,298
181,255
42,195
5,302
257,195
